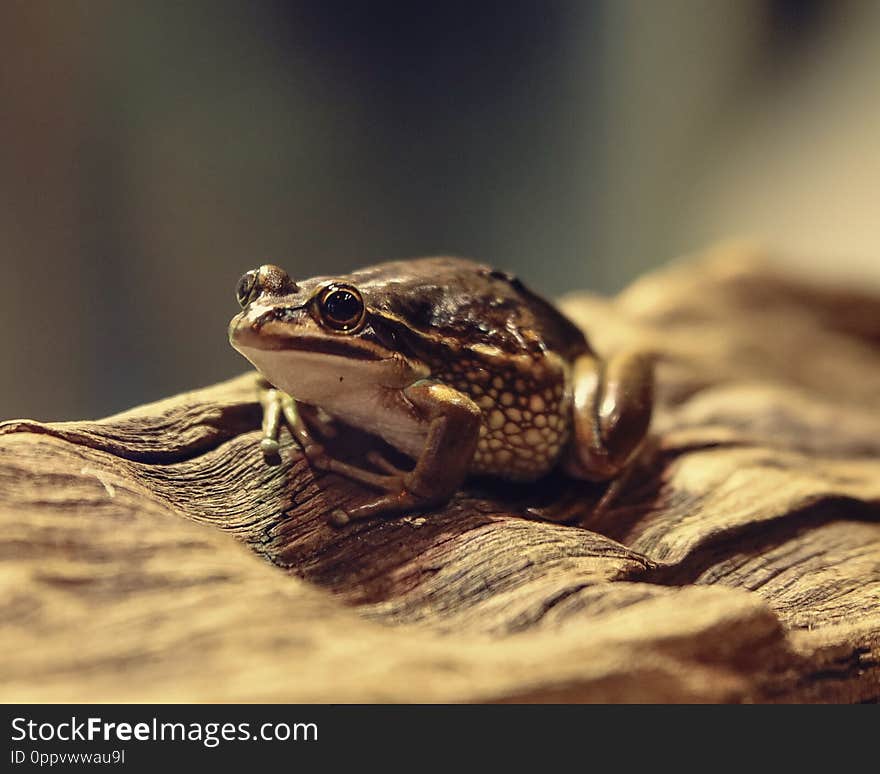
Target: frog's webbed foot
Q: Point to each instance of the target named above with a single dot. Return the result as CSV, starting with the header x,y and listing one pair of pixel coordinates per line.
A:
x,y
393,502
390,481
393,481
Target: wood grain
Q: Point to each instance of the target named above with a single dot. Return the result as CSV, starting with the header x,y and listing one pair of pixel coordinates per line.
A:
x,y
152,556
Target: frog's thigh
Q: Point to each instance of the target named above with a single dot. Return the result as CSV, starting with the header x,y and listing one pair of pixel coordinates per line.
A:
x,y
611,411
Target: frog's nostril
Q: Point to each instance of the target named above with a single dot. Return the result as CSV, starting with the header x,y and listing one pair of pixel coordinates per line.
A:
x,y
274,280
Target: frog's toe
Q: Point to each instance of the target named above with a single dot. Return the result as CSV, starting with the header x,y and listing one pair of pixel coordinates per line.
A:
x,y
380,461
338,518
390,504
317,456
325,423
270,449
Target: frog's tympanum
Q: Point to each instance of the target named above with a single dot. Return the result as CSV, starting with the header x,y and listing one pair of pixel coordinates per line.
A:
x,y
457,366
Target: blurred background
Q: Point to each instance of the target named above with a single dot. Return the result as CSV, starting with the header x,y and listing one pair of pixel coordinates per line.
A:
x,y
150,153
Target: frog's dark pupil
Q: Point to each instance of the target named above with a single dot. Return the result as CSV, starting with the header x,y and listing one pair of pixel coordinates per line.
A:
x,y
343,307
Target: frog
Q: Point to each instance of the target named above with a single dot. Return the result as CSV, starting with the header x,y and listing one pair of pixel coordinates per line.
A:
x,y
458,366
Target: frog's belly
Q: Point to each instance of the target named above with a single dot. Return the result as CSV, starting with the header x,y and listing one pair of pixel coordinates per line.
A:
x,y
384,413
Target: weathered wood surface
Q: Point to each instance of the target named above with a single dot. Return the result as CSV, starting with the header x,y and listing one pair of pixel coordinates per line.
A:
x,y
152,556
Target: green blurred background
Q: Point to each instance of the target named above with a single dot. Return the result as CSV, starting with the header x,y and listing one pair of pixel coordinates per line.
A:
x,y
151,152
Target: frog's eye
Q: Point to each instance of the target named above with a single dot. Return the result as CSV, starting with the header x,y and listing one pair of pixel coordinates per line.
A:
x,y
341,308
244,291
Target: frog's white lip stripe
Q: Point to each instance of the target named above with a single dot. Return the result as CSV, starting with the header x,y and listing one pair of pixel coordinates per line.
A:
x,y
242,335
320,345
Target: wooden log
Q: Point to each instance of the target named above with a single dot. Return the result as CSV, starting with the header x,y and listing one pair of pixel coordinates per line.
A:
x,y
153,556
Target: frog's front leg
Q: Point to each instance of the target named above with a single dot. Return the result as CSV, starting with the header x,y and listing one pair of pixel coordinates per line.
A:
x,y
612,406
278,406
452,424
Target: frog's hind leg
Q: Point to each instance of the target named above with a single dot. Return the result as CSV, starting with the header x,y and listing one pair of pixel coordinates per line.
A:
x,y
452,423
612,409
611,413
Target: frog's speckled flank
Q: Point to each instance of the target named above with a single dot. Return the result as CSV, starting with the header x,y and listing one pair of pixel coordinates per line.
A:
x,y
524,414
456,365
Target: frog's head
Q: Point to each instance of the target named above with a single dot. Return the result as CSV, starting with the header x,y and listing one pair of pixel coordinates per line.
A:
x,y
314,339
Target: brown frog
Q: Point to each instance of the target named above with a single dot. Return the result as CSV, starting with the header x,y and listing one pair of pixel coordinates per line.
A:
x,y
458,366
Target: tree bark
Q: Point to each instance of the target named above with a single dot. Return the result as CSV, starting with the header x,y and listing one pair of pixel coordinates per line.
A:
x,y
153,556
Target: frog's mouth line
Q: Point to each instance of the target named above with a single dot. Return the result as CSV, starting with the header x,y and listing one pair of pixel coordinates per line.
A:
x,y
321,346
244,337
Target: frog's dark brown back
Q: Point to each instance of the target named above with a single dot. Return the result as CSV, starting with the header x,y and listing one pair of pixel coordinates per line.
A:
x,y
470,302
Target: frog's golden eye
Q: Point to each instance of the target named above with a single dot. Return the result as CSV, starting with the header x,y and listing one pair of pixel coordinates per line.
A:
x,y
244,291
341,308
